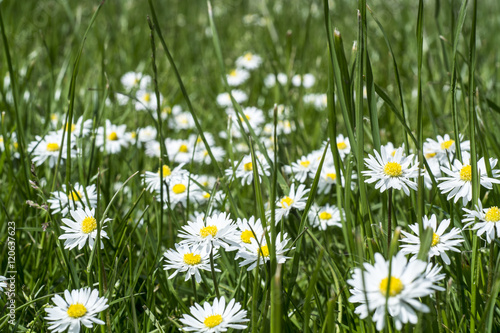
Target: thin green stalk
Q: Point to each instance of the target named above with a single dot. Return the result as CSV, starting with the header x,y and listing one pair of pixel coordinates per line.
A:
x,y
212,269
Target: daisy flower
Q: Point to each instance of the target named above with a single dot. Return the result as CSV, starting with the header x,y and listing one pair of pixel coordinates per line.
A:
x,y
248,230
391,171
249,61
270,79
237,76
3,284
179,189
153,148
153,180
213,231
444,148
343,146
489,221
224,100
49,148
81,229
319,101
244,169
81,196
146,134
306,80
146,100
326,216
405,284
183,121
132,80
303,168
441,241
215,318
459,183
253,253
78,307
180,151
80,129
190,260
113,137
294,199
254,116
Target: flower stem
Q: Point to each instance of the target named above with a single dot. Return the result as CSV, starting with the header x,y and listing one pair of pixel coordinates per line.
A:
x,y
194,288
389,221
212,268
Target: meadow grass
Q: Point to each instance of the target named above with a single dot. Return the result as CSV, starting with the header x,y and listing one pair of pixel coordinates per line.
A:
x,y
395,72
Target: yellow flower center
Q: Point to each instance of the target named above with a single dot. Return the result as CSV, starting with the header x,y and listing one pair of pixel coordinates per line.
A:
x,y
286,202
248,166
89,224
113,136
393,153
76,310
183,149
52,146
73,127
493,214
246,236
75,196
325,216
466,173
166,171
233,73
213,320
167,110
447,144
305,164
146,97
179,188
393,169
54,117
209,230
395,286
341,145
206,195
16,145
133,135
192,259
331,175
246,116
248,56
430,155
435,239
264,251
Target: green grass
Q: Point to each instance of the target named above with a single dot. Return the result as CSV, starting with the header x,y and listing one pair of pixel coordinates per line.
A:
x,y
427,69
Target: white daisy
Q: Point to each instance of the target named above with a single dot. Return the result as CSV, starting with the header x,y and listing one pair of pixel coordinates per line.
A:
x,y
249,61
391,171
294,199
407,283
201,155
81,196
133,80
113,137
80,128
153,181
146,134
319,101
343,146
248,229
81,229
146,100
255,118
326,216
270,79
253,253
190,260
244,170
3,284
459,182
237,76
183,121
444,148
441,242
303,168
224,100
49,148
306,80
78,307
180,151
179,189
213,231
153,148
215,318
489,221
